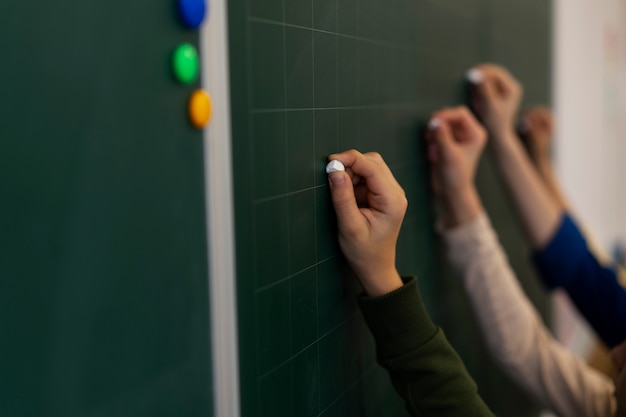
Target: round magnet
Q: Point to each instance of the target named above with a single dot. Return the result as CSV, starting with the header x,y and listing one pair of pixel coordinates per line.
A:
x,y
192,12
186,63
200,108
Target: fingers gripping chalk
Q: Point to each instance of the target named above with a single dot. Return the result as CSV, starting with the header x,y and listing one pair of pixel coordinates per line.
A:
x,y
433,124
334,166
475,76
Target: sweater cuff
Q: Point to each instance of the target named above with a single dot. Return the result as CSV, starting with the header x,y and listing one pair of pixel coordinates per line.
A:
x,y
398,320
464,241
559,260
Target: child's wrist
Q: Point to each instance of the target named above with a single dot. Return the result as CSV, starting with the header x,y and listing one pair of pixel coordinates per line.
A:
x,y
505,135
542,161
504,142
461,207
378,283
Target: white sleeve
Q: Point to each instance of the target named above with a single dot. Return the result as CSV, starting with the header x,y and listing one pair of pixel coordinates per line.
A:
x,y
514,332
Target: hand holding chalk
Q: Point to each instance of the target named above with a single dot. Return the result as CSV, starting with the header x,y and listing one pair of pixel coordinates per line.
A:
x,y
455,143
335,166
536,128
496,96
370,206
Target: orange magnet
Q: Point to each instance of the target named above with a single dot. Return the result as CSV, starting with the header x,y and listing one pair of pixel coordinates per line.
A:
x,y
200,108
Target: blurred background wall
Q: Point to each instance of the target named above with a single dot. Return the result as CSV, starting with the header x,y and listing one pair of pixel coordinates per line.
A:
x,y
589,79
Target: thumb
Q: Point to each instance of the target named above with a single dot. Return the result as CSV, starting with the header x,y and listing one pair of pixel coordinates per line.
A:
x,y
349,217
444,139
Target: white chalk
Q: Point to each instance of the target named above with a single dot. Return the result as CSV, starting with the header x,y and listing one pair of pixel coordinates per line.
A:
x,y
475,76
334,166
433,124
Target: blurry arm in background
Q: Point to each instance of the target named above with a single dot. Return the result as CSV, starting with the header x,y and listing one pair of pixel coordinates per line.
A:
x,y
537,130
561,253
496,100
515,335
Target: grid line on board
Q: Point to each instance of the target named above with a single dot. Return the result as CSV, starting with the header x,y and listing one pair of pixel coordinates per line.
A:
x,y
326,138
343,35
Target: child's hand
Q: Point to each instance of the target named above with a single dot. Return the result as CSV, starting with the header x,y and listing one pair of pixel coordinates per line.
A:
x,y
618,354
537,131
455,144
496,100
370,206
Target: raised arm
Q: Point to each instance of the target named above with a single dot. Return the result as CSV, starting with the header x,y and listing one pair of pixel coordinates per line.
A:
x,y
496,101
424,368
515,335
537,133
537,130
562,254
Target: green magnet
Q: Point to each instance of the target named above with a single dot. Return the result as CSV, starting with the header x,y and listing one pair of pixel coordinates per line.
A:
x,y
186,63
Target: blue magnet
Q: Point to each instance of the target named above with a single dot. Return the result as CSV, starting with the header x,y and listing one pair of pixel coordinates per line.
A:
x,y
192,12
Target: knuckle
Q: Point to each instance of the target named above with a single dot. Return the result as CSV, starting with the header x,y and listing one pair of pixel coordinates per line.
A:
x,y
400,202
400,192
375,156
401,208
353,152
464,111
404,203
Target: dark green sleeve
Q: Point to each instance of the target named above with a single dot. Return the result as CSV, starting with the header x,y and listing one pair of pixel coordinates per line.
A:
x,y
425,370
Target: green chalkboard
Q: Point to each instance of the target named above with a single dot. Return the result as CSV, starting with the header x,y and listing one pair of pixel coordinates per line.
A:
x,y
103,266
312,77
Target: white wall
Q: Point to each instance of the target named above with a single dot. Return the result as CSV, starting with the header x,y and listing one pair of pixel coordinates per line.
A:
x,y
590,104
589,99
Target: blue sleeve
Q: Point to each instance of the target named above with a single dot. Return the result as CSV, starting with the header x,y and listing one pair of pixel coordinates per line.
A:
x,y
567,263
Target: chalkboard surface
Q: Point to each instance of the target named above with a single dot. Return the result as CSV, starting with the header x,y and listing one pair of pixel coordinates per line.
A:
x,y
312,77
103,267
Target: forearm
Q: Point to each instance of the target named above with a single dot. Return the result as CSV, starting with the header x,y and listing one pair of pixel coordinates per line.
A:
x,y
566,262
387,281
540,214
546,172
508,320
515,335
424,368
461,207
544,167
434,382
